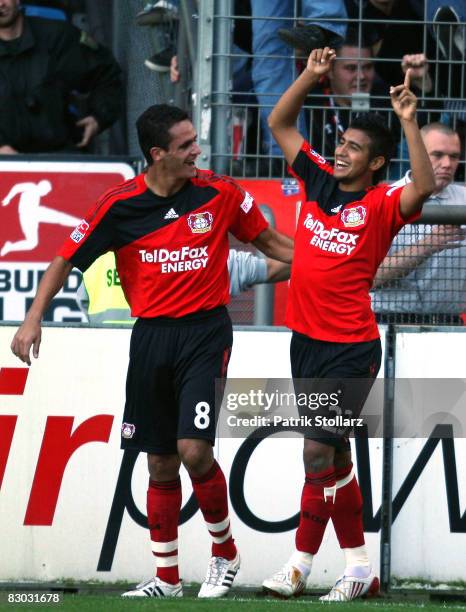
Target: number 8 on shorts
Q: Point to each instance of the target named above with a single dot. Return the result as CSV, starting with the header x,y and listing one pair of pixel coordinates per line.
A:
x,y
202,419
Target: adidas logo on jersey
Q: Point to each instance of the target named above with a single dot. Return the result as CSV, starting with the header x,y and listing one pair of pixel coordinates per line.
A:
x,y
171,214
336,209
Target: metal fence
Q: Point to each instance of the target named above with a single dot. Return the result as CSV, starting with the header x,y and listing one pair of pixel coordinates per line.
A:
x,y
423,278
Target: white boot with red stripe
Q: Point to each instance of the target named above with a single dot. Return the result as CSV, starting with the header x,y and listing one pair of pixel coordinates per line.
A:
x,y
221,571
350,587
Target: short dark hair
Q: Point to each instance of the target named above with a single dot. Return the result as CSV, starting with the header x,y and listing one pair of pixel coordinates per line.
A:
x,y
153,127
356,37
382,141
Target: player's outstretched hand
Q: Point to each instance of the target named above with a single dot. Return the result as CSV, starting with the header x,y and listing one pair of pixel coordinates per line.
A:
x,y
29,334
320,60
404,102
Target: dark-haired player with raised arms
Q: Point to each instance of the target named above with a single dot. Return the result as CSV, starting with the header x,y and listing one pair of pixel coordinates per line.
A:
x,y
344,231
168,228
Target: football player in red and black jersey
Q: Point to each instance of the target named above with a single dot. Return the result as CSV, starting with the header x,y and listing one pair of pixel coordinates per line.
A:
x,y
344,231
168,228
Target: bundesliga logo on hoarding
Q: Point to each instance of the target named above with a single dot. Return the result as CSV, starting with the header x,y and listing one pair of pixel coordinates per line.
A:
x,y
200,223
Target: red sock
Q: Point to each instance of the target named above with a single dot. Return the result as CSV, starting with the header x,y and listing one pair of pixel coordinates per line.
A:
x,y
163,511
316,508
211,494
347,510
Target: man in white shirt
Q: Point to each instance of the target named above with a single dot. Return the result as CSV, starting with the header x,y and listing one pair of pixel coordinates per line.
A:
x,y
425,270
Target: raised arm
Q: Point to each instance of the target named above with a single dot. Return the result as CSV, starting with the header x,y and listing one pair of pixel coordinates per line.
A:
x,y
282,119
29,334
414,194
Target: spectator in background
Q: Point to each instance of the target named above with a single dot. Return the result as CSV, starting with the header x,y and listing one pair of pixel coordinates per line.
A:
x,y
352,72
41,63
272,75
451,46
443,44
391,41
425,271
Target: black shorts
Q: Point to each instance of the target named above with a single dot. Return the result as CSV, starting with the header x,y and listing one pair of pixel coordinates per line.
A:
x,y
170,388
346,370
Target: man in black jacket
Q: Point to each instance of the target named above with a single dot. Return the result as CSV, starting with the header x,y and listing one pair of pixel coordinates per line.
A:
x,y
331,102
41,62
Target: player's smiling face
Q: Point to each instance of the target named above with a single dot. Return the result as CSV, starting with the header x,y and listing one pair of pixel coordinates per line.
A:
x,y
179,161
351,155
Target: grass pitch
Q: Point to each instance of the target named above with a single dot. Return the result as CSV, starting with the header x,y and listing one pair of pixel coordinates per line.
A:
x,y
114,603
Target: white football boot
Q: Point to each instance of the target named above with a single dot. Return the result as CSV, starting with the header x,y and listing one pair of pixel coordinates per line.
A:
x,y
220,576
287,582
349,587
155,588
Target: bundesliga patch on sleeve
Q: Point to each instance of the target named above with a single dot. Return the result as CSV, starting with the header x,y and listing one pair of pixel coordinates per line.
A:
x,y
247,202
317,156
79,232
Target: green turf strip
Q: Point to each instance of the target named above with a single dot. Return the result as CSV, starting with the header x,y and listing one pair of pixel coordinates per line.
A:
x,y
111,603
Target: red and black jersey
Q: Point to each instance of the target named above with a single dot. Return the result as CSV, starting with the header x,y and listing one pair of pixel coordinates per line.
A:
x,y
171,252
341,239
